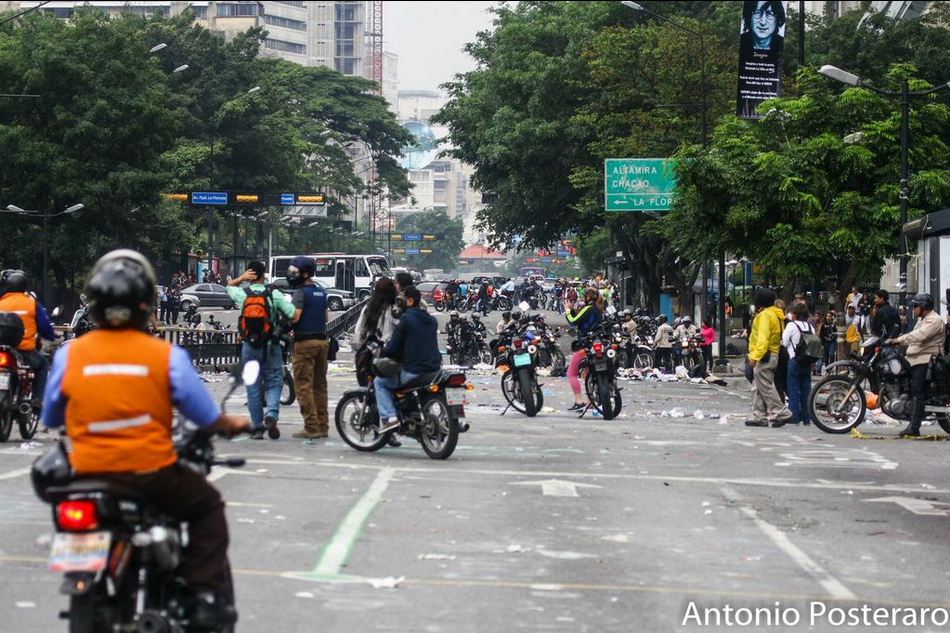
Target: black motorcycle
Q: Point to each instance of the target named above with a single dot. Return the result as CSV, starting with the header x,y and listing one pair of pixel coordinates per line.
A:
x,y
518,353
120,557
429,409
600,365
839,402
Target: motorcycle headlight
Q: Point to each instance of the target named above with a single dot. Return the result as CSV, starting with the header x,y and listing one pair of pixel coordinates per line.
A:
x,y
532,349
611,353
892,366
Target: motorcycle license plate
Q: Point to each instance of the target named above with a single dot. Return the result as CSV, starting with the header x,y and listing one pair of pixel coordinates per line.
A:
x,y
600,366
455,397
4,381
80,552
522,360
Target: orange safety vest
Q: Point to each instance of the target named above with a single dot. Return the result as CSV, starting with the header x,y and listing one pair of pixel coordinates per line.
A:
x,y
118,402
24,306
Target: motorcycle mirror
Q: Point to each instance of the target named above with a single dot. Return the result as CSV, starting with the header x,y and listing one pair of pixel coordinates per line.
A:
x,y
611,310
55,313
524,306
251,372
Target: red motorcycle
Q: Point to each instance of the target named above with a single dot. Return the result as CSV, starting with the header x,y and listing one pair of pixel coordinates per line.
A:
x,y
16,384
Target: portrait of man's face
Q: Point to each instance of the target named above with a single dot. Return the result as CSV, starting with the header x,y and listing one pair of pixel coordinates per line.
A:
x,y
764,24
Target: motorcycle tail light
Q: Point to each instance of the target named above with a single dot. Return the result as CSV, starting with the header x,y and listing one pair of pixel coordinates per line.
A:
x,y
614,347
502,349
598,348
77,516
455,380
517,342
6,359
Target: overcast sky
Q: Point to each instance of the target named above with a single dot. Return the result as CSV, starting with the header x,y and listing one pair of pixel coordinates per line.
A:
x,y
429,36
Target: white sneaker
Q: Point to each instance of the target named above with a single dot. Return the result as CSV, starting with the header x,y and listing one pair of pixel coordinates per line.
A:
x,y
391,425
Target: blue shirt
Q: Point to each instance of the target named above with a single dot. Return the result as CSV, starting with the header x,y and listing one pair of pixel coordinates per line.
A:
x,y
188,395
43,327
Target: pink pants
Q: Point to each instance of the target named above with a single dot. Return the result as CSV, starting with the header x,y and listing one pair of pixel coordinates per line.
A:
x,y
573,371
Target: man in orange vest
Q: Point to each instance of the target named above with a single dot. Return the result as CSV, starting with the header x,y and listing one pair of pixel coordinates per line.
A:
x,y
114,389
15,298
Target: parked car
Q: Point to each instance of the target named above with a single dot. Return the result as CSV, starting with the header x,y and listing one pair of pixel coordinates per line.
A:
x,y
431,291
495,280
337,300
210,295
186,300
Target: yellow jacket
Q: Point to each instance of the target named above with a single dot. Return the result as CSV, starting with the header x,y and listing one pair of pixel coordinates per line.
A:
x,y
766,333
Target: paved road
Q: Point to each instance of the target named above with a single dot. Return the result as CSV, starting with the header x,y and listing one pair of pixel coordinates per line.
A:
x,y
552,524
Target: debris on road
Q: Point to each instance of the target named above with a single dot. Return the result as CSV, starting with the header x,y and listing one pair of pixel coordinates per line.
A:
x,y
385,583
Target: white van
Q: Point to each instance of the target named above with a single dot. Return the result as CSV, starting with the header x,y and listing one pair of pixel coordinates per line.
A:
x,y
355,273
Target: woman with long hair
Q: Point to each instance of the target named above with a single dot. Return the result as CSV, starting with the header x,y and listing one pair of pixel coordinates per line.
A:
x,y
585,318
376,323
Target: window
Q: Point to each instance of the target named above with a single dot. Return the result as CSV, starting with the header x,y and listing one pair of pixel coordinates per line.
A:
x,y
286,47
285,23
239,10
379,267
59,13
293,3
360,269
323,267
200,12
203,288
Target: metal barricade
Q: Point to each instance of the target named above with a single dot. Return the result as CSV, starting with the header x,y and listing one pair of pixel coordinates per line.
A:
x,y
345,322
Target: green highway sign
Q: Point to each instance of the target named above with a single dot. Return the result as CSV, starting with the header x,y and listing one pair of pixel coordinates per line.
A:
x,y
638,184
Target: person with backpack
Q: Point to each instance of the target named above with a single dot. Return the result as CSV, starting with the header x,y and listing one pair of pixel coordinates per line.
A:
x,y
804,350
259,325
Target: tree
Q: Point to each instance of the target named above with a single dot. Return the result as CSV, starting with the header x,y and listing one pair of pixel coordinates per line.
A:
x,y
445,249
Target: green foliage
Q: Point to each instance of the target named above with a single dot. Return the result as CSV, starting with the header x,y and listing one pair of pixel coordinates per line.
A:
x,y
445,251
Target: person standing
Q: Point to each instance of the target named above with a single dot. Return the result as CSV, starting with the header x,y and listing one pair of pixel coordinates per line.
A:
x,y
886,322
174,305
765,341
310,348
163,305
923,343
663,344
855,297
799,372
828,333
709,337
585,318
260,326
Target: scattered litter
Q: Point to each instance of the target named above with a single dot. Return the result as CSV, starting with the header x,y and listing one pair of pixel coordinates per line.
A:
x,y
673,413
262,470
706,504
879,417
698,414
245,520
385,583
548,410
511,549
44,540
26,446
928,487
681,372
724,419
25,605
617,538
434,557
280,517
847,492
565,555
265,511
597,414
708,512
303,594
714,416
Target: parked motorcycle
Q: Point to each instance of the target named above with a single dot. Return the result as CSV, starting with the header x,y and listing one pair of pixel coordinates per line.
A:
x,y
429,409
600,366
120,557
839,402
519,383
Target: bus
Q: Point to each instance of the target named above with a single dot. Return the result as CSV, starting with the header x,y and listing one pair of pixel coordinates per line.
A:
x,y
528,271
356,273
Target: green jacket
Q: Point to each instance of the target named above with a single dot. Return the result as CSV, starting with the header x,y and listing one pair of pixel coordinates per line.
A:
x,y
281,303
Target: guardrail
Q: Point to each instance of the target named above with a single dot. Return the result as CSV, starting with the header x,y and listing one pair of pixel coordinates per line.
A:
x,y
343,323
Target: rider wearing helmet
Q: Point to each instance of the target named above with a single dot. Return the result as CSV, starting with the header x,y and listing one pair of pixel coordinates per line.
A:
x,y
924,342
113,390
504,323
663,344
14,298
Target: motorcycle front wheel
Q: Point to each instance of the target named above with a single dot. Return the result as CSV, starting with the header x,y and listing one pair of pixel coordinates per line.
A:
x,y
440,430
356,422
643,360
28,423
603,395
287,392
6,421
529,391
835,407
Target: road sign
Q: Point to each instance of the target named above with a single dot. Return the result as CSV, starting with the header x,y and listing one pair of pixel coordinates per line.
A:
x,y
287,199
209,197
306,211
412,237
638,184
412,251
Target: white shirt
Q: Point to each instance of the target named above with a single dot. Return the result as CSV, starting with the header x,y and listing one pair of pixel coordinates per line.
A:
x,y
792,335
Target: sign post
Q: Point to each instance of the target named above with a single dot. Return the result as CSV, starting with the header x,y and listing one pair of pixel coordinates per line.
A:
x,y
638,184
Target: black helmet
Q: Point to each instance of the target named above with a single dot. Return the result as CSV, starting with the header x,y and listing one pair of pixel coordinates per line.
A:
x,y
120,283
453,314
297,268
506,315
516,316
51,469
13,281
925,301
662,318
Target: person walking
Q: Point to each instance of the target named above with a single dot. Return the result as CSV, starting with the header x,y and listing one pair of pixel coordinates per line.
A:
x,y
765,341
310,348
163,305
663,344
923,343
174,305
799,369
828,333
781,371
585,318
709,337
260,326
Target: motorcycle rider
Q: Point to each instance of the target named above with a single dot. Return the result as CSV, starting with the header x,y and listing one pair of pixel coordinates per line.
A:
x,y
683,332
663,344
483,298
128,381
925,341
415,344
886,321
508,289
14,298
451,293
504,322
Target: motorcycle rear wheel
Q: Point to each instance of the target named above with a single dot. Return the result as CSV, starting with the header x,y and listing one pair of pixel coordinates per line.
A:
x,y
287,392
28,423
359,432
528,388
829,409
439,429
6,422
82,614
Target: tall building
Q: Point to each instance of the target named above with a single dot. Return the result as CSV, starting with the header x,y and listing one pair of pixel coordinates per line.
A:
x,y
308,33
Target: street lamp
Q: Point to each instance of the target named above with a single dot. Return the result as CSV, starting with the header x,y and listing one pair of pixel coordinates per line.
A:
x,y
722,256
181,69
905,94
158,47
46,215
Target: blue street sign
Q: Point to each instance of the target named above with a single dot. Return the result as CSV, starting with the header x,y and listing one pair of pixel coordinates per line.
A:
x,y
287,198
412,251
209,197
412,237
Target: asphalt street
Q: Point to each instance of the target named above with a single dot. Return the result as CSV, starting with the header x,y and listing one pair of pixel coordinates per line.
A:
x,y
553,523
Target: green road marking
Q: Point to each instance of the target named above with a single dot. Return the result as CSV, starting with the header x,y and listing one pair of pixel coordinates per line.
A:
x,y
337,551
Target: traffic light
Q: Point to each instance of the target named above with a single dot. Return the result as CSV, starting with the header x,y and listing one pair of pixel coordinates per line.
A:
x,y
310,198
247,198
179,197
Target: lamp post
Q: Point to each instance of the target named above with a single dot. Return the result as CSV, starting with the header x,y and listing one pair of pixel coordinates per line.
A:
x,y
702,59
46,215
832,72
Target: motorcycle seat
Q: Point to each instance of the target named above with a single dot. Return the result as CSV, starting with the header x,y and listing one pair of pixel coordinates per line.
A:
x,y
89,485
420,381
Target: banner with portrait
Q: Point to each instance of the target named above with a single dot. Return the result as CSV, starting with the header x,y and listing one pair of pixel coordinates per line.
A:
x,y
762,36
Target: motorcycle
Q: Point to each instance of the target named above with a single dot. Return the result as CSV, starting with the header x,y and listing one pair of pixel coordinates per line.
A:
x,y
120,557
519,383
500,302
81,321
688,352
429,409
600,363
839,402
16,394
550,353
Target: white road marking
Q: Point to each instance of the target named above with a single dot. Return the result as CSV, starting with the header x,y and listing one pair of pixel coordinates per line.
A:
x,y
16,473
556,487
917,506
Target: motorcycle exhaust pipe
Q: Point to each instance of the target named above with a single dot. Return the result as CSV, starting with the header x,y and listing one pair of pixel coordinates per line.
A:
x,y
25,408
